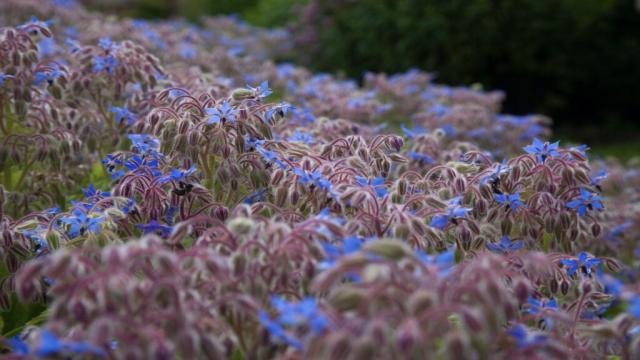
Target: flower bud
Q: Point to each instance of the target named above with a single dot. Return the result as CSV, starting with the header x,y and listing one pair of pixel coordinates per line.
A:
x,y
363,154
241,94
471,320
612,264
183,126
226,152
553,286
187,342
456,347
522,291
181,143
464,236
295,196
281,196
364,349
55,91
402,231
347,298
276,177
15,155
53,239
581,175
239,264
565,220
506,226
459,185
27,283
211,348
339,346
221,213
420,301
408,335
16,58
240,225
402,187
19,250
193,138
418,226
567,176
478,242
388,248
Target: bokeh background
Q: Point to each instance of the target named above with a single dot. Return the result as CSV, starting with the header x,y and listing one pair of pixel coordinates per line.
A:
x,y
577,61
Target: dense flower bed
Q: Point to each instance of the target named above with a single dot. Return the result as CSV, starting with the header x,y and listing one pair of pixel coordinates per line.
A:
x,y
154,205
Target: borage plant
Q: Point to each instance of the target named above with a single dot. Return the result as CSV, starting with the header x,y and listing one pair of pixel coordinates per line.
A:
x,y
168,191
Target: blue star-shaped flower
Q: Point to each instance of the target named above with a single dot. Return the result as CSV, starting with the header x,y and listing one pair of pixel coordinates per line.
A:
x,y
257,196
179,175
587,201
444,262
513,200
541,306
277,331
292,314
154,227
420,157
499,170
583,261
633,306
313,178
79,223
137,163
348,246
413,133
145,144
282,108
49,76
105,43
438,109
188,51
104,63
454,211
505,245
376,182
268,155
262,90
525,338
50,345
301,136
91,191
598,177
122,114
112,170
542,150
225,112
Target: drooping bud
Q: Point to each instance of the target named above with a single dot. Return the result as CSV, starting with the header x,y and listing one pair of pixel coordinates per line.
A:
x,y
596,229
522,291
408,335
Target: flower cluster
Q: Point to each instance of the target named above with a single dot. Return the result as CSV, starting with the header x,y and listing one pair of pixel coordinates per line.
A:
x,y
156,201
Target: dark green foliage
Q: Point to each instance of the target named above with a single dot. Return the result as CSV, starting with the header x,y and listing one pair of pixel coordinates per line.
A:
x,y
576,60
273,12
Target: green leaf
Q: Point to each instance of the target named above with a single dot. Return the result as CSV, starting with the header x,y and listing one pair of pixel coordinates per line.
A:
x,y
21,315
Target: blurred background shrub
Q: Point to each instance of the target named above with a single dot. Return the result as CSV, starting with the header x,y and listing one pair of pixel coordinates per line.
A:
x,y
577,61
